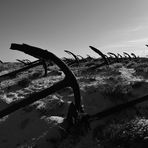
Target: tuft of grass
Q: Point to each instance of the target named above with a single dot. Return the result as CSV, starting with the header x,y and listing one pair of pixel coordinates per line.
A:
x,y
116,92
131,134
141,67
88,75
131,64
113,70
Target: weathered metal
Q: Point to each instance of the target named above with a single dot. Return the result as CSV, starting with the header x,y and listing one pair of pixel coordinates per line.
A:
x,y
14,73
75,57
80,57
68,81
134,55
116,57
127,55
1,62
68,61
28,66
119,55
100,53
108,58
22,61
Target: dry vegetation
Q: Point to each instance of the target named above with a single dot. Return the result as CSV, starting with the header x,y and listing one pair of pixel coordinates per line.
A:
x,y
100,88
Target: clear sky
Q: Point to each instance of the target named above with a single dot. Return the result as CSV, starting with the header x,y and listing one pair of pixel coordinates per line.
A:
x,y
58,25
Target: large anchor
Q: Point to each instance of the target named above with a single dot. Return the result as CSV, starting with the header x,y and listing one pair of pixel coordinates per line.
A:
x,y
120,57
104,57
134,55
68,81
129,57
116,57
75,57
1,62
82,58
101,54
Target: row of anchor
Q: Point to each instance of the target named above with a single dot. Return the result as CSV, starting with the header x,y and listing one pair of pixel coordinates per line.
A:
x,y
76,113
109,58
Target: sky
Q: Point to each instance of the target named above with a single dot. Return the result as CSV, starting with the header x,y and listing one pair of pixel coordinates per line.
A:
x,y
58,25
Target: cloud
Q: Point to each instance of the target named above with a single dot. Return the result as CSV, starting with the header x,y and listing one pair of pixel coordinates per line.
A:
x,y
123,44
137,41
137,28
129,44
